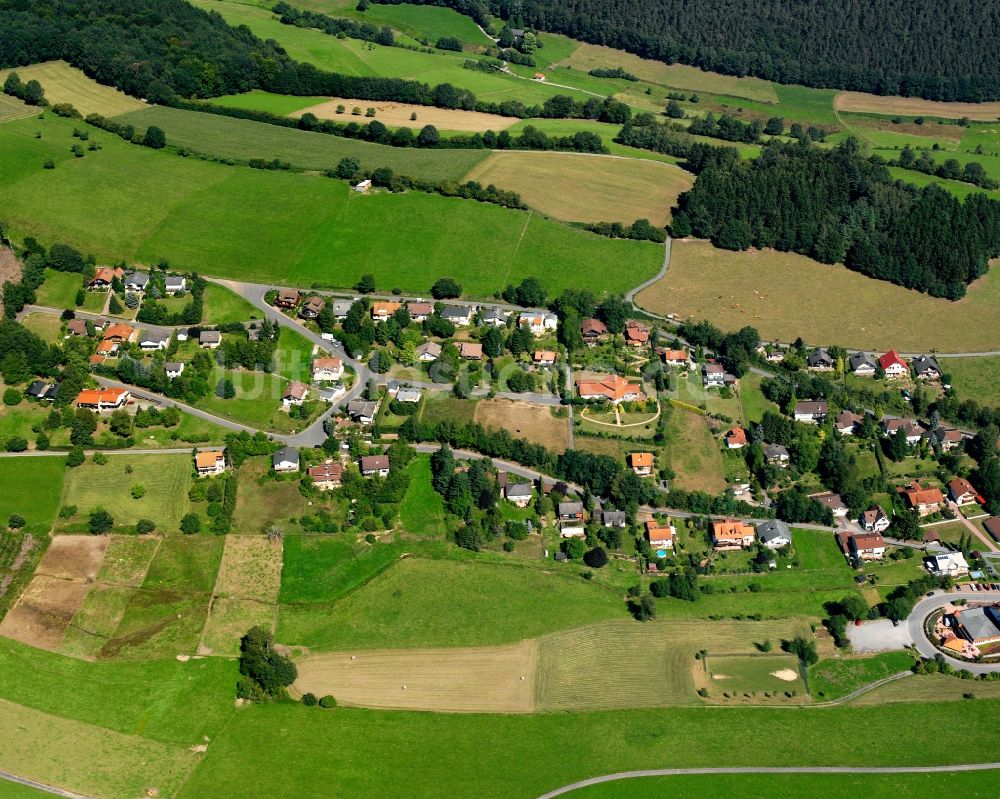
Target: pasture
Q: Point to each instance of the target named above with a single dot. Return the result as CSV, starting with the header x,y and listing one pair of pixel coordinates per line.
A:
x,y
422,510
487,680
222,221
243,139
66,84
321,568
586,188
415,20
399,115
31,489
527,420
166,479
785,296
914,106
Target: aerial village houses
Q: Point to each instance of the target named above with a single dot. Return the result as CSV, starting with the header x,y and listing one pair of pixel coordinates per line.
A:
x,y
811,411
834,503
593,331
428,351
103,399
948,564
42,391
287,298
327,370
119,333
493,317
340,309
173,369
571,520
914,430
612,387
458,315
383,311
326,476
677,359
538,322
374,465
77,327
713,375
362,411
924,501
153,342
660,536
175,284
636,334
295,393
728,534
104,276
408,395
926,368
420,311
893,365
947,438
776,455
641,463
209,339
874,520
614,518
312,307
961,492
210,462
866,547
136,282
862,364
471,350
819,360
847,422
544,357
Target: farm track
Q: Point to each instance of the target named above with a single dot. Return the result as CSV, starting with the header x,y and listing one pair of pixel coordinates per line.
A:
x,y
40,786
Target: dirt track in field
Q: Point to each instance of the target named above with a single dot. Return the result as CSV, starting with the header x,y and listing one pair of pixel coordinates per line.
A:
x,y
479,680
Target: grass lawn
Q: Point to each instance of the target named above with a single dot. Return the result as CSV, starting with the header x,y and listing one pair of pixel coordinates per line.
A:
x,y
166,479
693,454
742,677
59,289
243,139
293,355
321,233
31,489
583,188
43,325
754,402
439,407
223,305
832,679
422,510
257,402
975,378
783,296
66,84
428,603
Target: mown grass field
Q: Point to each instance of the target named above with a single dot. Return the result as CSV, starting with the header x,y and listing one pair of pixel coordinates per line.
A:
x,y
533,422
321,568
59,289
43,325
66,84
260,100
422,510
243,139
914,106
785,296
414,20
223,305
832,679
222,221
583,188
12,108
400,115
31,489
975,378
693,454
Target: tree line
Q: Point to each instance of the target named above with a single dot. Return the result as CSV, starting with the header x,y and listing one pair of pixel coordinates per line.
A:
x,y
334,26
836,206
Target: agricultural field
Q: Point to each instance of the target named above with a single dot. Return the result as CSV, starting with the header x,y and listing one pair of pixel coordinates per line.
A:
x,y
31,489
165,478
66,84
211,218
12,108
401,115
585,188
242,139
784,296
914,106
693,453
530,421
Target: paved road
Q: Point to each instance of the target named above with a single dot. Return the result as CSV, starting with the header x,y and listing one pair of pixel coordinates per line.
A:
x,y
928,605
630,295
40,786
677,772
45,309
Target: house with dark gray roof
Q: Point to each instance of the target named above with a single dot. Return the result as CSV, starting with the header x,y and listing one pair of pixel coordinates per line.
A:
x,y
862,364
774,534
285,459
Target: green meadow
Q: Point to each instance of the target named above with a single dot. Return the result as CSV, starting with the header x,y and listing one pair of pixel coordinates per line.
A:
x,y
31,488
128,202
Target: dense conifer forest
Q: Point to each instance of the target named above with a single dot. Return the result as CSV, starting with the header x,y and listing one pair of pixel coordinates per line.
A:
x,y
839,207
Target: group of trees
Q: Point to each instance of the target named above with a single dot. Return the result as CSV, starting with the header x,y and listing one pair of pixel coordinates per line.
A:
x,y
334,26
951,169
266,674
735,351
31,92
153,313
837,206
641,230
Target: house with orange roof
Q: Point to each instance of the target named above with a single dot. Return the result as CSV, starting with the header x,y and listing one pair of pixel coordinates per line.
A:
x,y
731,534
104,276
893,365
962,493
736,438
118,332
108,349
295,393
660,536
636,334
675,358
641,463
103,399
210,462
544,357
382,311
328,369
924,501
613,388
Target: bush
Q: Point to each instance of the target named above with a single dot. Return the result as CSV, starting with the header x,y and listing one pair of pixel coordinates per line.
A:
x,y
66,511
309,699
190,524
138,491
446,288
16,521
596,558
11,396
100,522
100,458
144,526
328,701
16,444
75,457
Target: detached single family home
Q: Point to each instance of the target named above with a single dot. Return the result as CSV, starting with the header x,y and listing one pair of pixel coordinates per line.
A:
x,y
210,462
153,342
458,315
209,339
493,316
518,493
327,370
874,520
924,501
175,284
285,459
736,438
612,387
614,518
419,311
713,375
137,282
774,534
593,331
893,365
538,322
866,547
819,360
641,463
312,307
847,422
326,476
103,399
660,536
811,411
862,364
375,465
428,351
174,369
961,492
383,311
731,534
362,411
295,393
471,350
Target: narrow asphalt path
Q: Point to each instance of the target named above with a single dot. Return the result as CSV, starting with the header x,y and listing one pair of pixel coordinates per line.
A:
x,y
40,786
679,772
630,295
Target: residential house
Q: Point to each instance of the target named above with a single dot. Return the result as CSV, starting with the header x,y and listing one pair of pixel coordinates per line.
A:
x,y
209,339
175,284
811,411
458,315
731,534
153,342
103,399
866,547
874,520
612,387
362,411
847,422
570,512
949,564
636,334
76,327
428,351
285,459
100,323
375,465
614,518
104,276
947,438
660,536
924,501
736,438
518,493
538,322
926,368
383,311
819,360
340,309
136,282
40,390
287,298
771,353
493,316
108,349
834,503
210,462
419,311
326,476
295,393
776,455
327,370
713,375
471,350
961,492
118,333
174,369
774,534
914,430
677,359
312,307
363,186
862,364
893,365
409,395
979,626
641,463
992,526
544,358
593,331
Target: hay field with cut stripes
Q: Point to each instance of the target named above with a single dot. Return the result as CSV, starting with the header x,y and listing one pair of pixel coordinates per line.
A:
x,y
65,84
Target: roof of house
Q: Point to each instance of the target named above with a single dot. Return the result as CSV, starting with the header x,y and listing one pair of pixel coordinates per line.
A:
x,y
118,330
830,500
408,395
100,396
429,348
979,623
925,363
544,355
593,327
812,407
77,327
420,308
891,358
613,516
640,460
37,388
359,408
570,508
773,529
208,459
674,355
916,494
296,390
613,387
992,526
289,295
153,337
137,279
658,532
107,347
456,312
736,436
326,472
494,313
775,451
819,357
713,369
867,541
518,490
341,307
374,463
860,359
332,364
848,419
209,336
959,486
174,366
385,308
315,303
872,515
471,349
289,454
634,331
731,529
